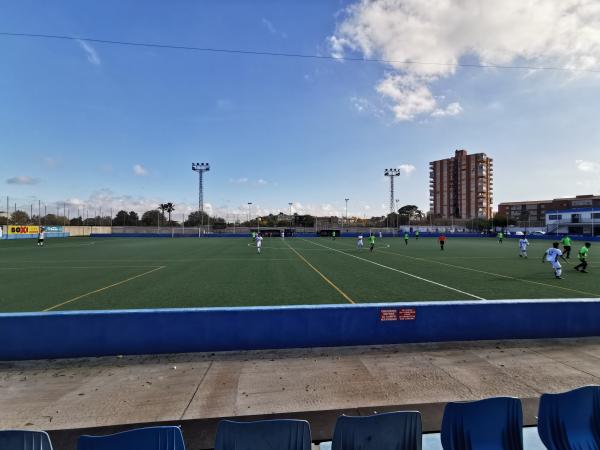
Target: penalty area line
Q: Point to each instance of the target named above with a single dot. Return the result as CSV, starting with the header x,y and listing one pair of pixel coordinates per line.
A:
x,y
87,294
445,286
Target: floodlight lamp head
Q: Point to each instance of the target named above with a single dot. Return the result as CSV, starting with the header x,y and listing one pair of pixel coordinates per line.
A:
x,y
201,167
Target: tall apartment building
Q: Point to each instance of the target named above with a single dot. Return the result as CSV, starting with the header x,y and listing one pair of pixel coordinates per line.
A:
x,y
461,186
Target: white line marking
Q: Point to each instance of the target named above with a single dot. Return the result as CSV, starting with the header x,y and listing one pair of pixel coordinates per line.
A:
x,y
399,271
493,274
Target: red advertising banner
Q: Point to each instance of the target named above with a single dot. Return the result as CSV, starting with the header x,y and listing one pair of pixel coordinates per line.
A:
x,y
407,314
386,315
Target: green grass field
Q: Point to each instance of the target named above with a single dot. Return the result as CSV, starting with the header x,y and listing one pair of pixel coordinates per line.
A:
x,y
84,273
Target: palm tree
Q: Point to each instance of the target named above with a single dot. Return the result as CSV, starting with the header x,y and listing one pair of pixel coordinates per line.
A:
x,y
169,207
162,207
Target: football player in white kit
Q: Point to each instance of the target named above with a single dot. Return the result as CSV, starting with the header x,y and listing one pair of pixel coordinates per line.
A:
x,y
523,244
259,240
359,243
41,236
552,255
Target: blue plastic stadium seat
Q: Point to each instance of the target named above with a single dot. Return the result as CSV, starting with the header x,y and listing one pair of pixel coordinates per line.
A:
x,y
263,435
386,431
151,438
490,424
570,420
24,440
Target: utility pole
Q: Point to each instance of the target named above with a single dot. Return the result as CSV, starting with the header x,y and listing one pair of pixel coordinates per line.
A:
x,y
290,203
201,168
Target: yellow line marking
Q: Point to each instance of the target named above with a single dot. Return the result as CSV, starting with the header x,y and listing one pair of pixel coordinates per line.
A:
x,y
490,273
103,289
400,271
327,280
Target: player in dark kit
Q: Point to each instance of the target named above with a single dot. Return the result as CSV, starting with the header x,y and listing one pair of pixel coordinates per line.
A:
x,y
442,241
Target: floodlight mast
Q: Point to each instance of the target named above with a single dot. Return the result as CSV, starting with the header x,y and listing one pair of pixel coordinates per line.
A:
x,y
392,173
200,168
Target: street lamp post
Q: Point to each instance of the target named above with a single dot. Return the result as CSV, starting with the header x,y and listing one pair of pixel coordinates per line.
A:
x,y
249,206
346,221
200,168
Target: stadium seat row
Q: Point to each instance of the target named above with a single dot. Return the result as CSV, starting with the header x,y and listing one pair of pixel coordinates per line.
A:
x,y
566,421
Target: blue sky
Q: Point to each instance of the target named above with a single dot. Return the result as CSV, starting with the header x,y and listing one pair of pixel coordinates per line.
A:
x,y
115,126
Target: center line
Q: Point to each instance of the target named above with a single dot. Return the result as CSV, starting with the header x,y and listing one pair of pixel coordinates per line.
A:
x,y
399,271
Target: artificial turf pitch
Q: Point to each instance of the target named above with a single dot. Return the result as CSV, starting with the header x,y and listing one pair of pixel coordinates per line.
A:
x,y
115,273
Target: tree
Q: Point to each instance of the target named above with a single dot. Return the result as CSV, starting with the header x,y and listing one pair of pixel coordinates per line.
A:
x,y
125,219
218,223
196,219
152,218
19,218
120,219
392,219
76,221
162,207
480,224
410,212
133,219
503,221
169,207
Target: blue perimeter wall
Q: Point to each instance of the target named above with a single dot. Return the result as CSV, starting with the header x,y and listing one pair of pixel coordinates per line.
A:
x,y
548,237
123,332
35,236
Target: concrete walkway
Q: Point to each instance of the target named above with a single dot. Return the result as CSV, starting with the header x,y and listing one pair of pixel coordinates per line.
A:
x,y
106,393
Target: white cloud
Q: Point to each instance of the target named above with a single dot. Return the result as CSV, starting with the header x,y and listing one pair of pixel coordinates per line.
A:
x,y
453,109
246,180
22,180
365,106
139,170
588,166
90,53
109,201
407,169
268,25
441,32
410,95
271,28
